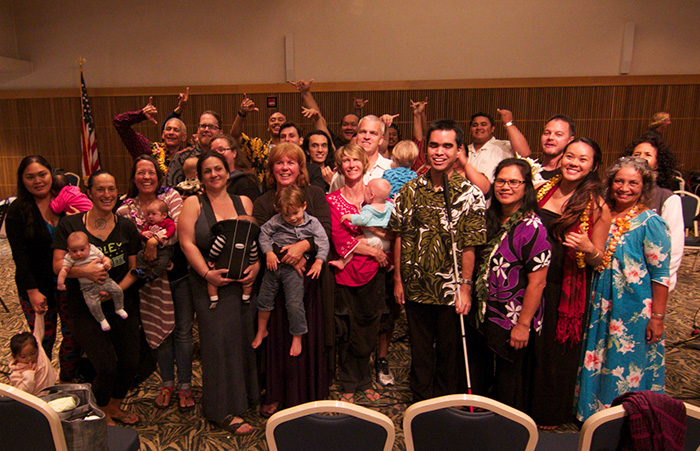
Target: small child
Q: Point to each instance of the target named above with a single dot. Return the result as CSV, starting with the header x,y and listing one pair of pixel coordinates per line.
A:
x,y
69,199
81,253
290,225
375,213
191,185
215,251
162,228
31,369
402,158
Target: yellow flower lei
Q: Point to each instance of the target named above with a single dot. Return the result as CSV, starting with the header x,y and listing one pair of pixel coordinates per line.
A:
x,y
160,154
584,218
623,225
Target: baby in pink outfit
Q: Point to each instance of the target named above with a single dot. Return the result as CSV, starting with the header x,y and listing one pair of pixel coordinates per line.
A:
x,y
70,199
31,369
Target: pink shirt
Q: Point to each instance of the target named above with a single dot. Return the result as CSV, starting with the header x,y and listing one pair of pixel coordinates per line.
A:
x,y
34,380
361,268
70,196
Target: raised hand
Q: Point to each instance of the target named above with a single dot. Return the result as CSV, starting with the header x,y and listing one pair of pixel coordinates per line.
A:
x,y
302,85
183,98
150,111
247,105
310,113
506,115
358,104
419,107
388,119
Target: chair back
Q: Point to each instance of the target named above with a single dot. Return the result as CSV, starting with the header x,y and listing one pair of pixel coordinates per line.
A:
x,y
438,424
28,423
608,429
691,207
72,178
308,426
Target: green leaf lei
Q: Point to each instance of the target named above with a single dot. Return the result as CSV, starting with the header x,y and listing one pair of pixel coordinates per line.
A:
x,y
482,289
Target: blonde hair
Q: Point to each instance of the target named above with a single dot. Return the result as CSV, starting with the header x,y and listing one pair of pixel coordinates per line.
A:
x,y
353,151
405,153
295,153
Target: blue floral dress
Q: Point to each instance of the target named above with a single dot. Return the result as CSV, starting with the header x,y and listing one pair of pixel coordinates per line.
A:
x,y
617,357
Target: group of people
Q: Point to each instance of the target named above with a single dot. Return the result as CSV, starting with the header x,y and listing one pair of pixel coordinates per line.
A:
x,y
561,278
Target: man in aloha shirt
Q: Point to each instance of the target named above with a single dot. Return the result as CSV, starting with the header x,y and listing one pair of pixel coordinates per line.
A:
x,y
254,148
423,281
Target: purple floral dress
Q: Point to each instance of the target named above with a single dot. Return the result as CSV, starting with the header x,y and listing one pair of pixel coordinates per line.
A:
x,y
522,251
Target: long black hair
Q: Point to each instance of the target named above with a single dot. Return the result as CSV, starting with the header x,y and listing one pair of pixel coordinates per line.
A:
x,y
25,200
494,214
665,160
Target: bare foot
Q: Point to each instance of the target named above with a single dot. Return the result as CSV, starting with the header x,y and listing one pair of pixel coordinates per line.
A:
x,y
259,337
295,349
337,264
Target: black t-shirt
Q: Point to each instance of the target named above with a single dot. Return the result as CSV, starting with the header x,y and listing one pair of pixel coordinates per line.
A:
x,y
546,175
123,242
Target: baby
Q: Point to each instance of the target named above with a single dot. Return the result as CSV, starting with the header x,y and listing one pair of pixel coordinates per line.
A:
x,y
402,158
69,199
191,185
161,227
216,248
290,225
30,369
375,213
81,253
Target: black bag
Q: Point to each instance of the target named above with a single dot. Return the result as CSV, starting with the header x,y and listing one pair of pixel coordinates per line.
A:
x,y
81,434
240,238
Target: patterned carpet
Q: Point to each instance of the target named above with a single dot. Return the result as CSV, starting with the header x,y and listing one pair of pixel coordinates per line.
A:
x,y
170,429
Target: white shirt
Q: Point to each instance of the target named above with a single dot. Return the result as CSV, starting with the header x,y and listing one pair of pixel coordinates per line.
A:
x,y
375,172
489,155
672,212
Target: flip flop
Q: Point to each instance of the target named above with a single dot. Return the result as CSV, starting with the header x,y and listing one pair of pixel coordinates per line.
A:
x,y
165,396
348,397
126,418
234,427
371,396
185,396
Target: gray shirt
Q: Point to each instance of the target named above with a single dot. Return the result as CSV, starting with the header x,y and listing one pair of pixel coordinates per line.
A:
x,y
277,231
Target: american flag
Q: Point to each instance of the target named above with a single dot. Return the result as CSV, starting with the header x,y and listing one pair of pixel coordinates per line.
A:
x,y
91,159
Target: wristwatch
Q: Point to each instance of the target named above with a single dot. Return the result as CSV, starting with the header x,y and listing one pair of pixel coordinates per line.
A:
x,y
465,281
509,123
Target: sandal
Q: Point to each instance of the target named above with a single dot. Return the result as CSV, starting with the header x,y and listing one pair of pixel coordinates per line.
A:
x,y
271,410
126,418
234,428
185,398
371,396
164,397
348,397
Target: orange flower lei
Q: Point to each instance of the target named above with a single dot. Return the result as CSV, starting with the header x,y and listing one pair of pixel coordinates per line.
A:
x,y
623,225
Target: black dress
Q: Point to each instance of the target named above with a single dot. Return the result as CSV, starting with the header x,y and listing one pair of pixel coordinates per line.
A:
x,y
555,364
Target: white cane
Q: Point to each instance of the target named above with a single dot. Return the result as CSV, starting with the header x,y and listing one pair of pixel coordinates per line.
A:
x,y
448,208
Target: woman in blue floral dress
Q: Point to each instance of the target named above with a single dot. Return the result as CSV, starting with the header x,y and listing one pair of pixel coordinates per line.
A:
x,y
511,278
624,347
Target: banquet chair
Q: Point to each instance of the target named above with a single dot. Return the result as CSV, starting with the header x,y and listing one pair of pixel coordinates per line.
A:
x,y
605,430
307,427
72,178
691,208
29,423
440,424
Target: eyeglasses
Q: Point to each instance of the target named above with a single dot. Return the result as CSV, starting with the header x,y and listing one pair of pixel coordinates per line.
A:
x,y
511,183
208,126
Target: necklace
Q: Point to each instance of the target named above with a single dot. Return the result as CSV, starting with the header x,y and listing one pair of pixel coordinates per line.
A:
x,y
584,219
161,154
482,289
583,228
547,187
622,226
